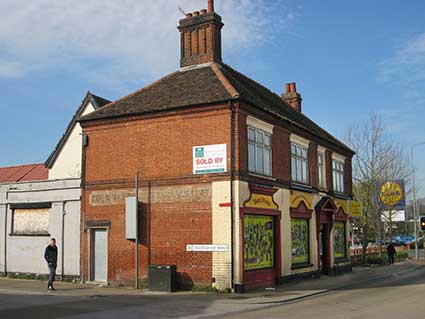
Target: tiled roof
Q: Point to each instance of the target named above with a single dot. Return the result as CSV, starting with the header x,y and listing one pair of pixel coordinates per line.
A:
x,y
23,173
208,84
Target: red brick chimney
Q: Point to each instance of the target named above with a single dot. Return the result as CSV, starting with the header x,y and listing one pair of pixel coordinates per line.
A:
x,y
292,97
201,37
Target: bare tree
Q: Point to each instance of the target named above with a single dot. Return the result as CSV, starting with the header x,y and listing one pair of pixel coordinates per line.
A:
x,y
378,158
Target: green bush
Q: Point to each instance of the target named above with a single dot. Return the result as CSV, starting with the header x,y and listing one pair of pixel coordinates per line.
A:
x,y
402,255
376,259
421,244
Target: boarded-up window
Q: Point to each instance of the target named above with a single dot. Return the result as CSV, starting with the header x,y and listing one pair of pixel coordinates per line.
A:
x,y
30,221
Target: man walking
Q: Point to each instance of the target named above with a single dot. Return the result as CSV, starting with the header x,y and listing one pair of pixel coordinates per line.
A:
x,y
391,253
51,256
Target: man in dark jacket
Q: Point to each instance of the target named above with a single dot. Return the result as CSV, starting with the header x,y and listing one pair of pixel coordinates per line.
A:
x,y
51,256
391,253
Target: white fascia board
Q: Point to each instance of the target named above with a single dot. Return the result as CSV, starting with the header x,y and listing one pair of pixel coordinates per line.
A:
x,y
254,122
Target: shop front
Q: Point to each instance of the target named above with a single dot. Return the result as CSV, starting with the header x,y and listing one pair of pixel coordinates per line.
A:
x,y
325,210
260,220
332,235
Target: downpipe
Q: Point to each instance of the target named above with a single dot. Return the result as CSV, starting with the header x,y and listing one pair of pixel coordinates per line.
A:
x,y
6,212
63,241
232,219
5,233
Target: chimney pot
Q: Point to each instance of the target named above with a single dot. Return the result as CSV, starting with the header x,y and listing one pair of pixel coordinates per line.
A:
x,y
210,5
189,15
292,97
200,37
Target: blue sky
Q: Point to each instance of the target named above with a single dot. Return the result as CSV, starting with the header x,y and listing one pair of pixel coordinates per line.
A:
x,y
348,58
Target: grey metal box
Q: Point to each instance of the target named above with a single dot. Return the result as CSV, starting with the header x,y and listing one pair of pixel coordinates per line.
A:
x,y
162,278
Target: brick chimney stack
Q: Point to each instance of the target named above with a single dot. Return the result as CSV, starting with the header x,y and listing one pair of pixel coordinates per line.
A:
x,y
201,37
292,97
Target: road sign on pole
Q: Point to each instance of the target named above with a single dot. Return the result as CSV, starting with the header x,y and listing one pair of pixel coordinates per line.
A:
x,y
356,209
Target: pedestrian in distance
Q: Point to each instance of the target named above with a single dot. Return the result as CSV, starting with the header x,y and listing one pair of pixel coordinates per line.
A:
x,y
391,253
51,256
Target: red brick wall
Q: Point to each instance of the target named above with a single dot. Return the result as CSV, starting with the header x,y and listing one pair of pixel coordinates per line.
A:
x,y
312,161
157,148
348,177
241,144
160,149
281,154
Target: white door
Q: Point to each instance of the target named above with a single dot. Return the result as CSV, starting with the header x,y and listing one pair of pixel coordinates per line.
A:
x,y
99,255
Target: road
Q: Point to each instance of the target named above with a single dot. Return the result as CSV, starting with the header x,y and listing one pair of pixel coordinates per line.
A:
x,y
400,296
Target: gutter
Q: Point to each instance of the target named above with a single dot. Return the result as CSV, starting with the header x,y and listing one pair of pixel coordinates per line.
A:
x,y
63,241
5,233
232,235
6,212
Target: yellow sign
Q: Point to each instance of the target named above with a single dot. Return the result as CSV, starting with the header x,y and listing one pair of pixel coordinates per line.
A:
x,y
261,201
341,204
391,193
356,209
298,197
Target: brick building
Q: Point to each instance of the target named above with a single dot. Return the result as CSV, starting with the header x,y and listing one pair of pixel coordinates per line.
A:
x,y
237,187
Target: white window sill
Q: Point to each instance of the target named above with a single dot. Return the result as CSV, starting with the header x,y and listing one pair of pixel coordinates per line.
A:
x,y
262,176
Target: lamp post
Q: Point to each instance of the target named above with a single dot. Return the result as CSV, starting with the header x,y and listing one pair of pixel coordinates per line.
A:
x,y
414,200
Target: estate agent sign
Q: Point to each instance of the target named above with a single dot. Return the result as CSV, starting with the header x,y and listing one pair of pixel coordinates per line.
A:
x,y
209,159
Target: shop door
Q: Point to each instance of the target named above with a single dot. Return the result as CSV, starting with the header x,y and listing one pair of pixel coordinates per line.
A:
x,y
259,251
99,255
324,248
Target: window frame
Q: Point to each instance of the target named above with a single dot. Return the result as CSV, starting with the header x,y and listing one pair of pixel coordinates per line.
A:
x,y
321,171
300,162
303,264
255,147
29,206
338,175
344,236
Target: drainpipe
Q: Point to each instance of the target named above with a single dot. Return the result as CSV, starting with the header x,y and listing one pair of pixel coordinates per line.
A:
x,y
82,252
63,240
6,211
137,232
5,233
232,114
83,208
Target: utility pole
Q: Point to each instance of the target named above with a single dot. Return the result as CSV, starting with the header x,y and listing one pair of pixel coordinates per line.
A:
x,y
137,231
415,217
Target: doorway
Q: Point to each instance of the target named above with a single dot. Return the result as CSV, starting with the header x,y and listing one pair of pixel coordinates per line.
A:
x,y
99,253
324,248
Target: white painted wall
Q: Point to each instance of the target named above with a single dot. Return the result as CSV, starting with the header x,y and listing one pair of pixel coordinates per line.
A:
x,y
68,162
221,233
25,253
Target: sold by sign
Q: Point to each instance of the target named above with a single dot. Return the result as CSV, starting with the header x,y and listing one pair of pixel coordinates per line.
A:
x,y
209,159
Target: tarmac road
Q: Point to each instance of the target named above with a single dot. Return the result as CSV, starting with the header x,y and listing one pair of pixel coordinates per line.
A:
x,y
398,294
401,296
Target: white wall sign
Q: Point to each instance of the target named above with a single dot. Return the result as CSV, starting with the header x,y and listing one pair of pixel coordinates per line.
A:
x,y
209,159
131,218
207,248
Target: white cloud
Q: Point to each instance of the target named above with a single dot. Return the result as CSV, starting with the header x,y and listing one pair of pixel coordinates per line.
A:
x,y
408,62
126,39
10,69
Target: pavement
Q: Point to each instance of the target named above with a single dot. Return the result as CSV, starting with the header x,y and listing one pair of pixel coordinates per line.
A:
x,y
399,295
21,297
